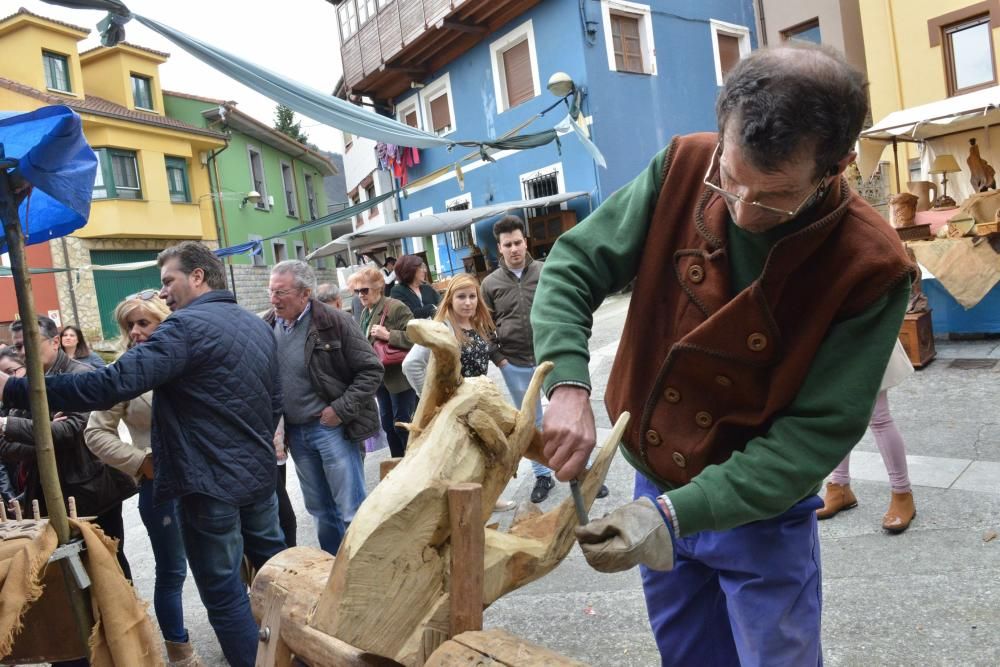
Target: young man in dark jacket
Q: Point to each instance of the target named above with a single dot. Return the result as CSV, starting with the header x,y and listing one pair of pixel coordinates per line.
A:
x,y
98,489
217,399
330,375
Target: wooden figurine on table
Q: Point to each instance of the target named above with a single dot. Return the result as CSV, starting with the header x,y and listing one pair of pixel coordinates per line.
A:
x,y
983,175
904,209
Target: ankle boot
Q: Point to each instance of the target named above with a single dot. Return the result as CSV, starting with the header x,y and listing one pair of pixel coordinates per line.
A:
x,y
900,514
838,498
182,654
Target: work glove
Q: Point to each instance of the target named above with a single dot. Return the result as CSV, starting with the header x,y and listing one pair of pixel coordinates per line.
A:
x,y
631,535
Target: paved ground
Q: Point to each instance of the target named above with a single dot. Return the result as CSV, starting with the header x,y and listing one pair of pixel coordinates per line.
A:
x,y
930,596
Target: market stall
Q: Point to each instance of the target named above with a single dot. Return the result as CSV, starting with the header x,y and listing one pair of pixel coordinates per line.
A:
x,y
953,229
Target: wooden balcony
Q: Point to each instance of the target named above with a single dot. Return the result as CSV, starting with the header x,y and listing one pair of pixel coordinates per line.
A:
x,y
409,40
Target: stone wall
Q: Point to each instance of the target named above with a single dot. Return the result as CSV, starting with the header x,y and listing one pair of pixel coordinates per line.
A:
x,y
251,284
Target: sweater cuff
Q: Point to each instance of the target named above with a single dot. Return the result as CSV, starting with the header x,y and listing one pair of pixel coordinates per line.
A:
x,y
691,510
569,369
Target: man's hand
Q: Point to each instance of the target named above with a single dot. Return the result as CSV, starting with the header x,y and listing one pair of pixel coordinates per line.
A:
x,y
146,469
568,431
329,417
631,535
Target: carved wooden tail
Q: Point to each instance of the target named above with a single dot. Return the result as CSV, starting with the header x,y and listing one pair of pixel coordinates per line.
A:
x,y
444,370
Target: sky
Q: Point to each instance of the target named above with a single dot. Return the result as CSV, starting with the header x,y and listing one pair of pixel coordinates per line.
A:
x,y
296,38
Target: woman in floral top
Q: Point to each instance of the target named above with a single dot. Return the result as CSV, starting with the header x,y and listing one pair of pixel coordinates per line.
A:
x,y
463,310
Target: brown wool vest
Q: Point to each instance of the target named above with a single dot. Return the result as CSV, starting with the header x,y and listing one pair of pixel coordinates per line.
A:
x,y
703,371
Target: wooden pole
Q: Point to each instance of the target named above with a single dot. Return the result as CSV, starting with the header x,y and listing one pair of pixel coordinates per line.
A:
x,y
41,426
468,545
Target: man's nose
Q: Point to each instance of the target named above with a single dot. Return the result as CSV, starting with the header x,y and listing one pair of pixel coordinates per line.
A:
x,y
163,292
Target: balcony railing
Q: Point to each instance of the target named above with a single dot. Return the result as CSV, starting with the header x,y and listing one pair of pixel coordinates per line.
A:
x,y
407,40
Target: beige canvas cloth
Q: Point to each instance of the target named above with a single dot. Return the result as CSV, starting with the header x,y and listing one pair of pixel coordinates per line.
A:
x,y
968,272
36,622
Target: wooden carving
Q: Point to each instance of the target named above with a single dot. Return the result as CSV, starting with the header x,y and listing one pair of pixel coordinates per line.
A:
x,y
388,590
983,175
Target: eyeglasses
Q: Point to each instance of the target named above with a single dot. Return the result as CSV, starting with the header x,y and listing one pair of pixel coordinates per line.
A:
x,y
732,197
363,291
144,295
280,293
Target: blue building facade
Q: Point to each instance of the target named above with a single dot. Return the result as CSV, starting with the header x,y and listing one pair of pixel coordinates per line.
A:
x,y
647,71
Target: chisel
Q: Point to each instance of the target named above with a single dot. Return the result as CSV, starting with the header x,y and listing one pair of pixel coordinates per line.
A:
x,y
581,509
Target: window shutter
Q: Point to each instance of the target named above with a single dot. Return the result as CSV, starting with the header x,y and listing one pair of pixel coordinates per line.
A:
x,y
729,53
517,72
627,45
440,116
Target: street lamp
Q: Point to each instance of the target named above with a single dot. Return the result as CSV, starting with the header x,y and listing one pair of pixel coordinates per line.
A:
x,y
253,197
561,84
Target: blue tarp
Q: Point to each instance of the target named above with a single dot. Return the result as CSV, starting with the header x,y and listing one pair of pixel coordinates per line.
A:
x,y
55,158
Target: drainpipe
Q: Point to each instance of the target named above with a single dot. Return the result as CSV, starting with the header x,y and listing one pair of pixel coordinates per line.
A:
x,y
899,83
762,34
69,281
221,229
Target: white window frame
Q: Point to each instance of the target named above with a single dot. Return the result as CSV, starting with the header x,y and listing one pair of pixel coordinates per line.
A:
x,y
263,204
312,202
411,104
741,32
523,32
257,260
464,198
646,43
557,168
431,92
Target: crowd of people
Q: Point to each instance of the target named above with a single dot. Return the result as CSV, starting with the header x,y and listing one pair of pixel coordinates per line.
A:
x,y
216,400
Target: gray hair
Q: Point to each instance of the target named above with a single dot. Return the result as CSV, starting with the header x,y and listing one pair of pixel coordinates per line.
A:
x,y
327,293
303,276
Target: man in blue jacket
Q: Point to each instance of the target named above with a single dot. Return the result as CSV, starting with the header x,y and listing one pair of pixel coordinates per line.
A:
x,y
214,370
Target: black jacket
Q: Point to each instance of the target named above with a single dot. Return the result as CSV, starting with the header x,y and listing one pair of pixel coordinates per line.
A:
x,y
96,487
422,308
343,368
213,369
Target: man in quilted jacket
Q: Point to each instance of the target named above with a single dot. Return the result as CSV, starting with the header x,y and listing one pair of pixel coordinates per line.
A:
x,y
213,368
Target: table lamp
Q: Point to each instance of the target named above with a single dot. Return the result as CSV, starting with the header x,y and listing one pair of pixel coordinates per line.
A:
x,y
944,165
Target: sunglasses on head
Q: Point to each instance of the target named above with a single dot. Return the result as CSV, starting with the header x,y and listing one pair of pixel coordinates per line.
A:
x,y
144,295
363,291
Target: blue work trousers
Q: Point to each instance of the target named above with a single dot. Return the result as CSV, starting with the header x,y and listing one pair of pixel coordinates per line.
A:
x,y
517,379
748,596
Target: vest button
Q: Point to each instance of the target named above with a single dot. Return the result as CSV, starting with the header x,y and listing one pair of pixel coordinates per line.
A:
x,y
672,395
696,273
723,381
756,341
679,460
703,419
653,438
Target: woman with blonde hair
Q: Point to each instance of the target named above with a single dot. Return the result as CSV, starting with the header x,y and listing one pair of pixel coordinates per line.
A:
x,y
463,310
384,319
138,316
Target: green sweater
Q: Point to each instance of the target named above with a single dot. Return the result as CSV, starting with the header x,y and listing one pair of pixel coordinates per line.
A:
x,y
805,442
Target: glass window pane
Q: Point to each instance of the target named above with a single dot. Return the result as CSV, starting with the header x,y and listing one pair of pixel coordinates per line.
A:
x,y
56,71
142,94
972,55
809,33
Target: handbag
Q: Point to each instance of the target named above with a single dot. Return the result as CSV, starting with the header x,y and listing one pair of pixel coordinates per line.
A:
x,y
387,354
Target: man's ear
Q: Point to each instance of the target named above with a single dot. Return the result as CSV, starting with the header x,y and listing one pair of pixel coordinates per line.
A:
x,y
841,166
198,276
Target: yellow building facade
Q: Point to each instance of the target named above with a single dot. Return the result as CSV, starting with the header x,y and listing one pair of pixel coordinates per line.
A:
x,y
152,187
922,51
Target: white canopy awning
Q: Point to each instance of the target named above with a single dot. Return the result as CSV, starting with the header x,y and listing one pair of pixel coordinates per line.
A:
x,y
436,223
971,111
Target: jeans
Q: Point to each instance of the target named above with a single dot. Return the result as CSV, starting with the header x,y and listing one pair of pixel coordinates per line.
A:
x,y
164,528
394,408
750,595
517,379
216,534
332,477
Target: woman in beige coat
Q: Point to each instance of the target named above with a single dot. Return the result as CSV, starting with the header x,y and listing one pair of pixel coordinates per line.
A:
x,y
137,317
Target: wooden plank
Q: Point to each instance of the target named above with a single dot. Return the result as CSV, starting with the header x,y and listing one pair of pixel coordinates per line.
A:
x,y
458,26
271,650
496,647
465,507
